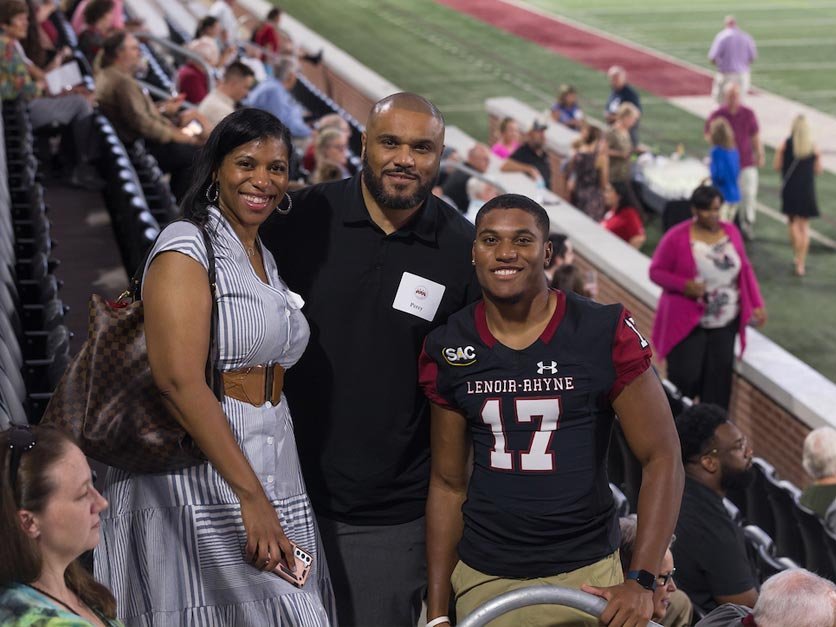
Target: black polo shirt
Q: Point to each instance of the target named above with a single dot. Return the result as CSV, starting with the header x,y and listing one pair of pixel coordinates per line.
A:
x,y
362,425
710,549
524,154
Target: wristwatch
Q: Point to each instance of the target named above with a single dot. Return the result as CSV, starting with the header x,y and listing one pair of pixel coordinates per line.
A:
x,y
645,579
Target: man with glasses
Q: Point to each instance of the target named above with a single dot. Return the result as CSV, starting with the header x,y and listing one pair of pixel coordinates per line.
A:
x,y
671,606
710,551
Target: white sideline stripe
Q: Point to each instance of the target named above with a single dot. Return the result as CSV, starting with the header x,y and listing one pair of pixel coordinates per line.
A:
x,y
717,9
608,35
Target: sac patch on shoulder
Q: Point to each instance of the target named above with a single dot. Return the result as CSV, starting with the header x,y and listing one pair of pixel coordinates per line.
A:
x,y
459,356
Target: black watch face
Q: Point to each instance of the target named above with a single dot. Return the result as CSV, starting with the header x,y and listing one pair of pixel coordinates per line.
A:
x,y
646,580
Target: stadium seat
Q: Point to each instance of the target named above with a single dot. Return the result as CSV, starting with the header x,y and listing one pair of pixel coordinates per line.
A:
x,y
782,497
758,510
830,543
677,401
762,553
813,536
621,504
733,511
631,468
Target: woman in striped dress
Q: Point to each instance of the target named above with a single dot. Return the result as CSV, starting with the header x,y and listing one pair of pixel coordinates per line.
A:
x,y
198,546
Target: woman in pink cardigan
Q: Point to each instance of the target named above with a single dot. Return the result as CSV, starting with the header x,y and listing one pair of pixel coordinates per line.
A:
x,y
710,294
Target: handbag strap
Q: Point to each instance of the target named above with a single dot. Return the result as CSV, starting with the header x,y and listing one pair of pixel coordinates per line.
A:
x,y
785,179
213,374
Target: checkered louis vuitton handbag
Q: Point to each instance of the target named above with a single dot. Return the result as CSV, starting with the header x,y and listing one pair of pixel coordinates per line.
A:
x,y
107,398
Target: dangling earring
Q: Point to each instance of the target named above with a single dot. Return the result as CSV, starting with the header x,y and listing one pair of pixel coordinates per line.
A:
x,y
212,196
284,212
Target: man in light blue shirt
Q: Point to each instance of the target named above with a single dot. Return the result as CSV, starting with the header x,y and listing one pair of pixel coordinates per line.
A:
x,y
273,95
732,51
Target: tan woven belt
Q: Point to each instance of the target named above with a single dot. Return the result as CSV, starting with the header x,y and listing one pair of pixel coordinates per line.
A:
x,y
255,385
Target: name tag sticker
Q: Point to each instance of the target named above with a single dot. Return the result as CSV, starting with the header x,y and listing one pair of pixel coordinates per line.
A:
x,y
418,296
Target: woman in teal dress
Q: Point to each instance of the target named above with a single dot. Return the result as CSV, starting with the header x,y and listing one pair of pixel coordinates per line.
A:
x,y
49,516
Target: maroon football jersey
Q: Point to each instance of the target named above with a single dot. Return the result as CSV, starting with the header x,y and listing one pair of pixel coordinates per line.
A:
x,y
538,503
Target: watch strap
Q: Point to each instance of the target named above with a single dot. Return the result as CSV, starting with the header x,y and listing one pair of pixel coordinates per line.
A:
x,y
645,579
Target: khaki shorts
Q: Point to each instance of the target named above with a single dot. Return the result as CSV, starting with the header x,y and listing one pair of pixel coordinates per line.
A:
x,y
473,588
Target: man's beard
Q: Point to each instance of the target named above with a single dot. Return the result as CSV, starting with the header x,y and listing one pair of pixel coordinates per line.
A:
x,y
731,481
390,201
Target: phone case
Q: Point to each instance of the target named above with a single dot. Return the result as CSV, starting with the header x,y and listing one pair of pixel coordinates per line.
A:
x,y
304,562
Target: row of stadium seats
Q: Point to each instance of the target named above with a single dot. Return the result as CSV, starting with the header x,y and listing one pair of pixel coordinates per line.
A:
x,y
34,341
774,506
780,532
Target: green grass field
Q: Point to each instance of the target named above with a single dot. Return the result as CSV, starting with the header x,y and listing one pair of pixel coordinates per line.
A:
x,y
797,50
458,62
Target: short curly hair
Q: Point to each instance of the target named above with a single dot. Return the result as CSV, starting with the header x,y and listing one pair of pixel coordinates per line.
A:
x,y
696,427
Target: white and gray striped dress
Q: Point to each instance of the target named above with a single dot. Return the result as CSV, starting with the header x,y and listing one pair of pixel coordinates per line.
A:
x,y
172,544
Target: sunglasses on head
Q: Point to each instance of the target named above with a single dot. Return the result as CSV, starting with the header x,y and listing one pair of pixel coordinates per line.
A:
x,y
21,439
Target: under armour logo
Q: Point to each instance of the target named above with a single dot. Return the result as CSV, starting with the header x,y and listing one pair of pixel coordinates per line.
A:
x,y
543,367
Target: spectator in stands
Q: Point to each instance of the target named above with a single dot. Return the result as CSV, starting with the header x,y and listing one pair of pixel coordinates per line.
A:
x,y
41,44
566,110
482,528
622,217
531,157
799,161
588,172
192,78
135,116
117,18
798,598
98,17
274,95
223,11
369,485
671,606
220,528
819,461
208,26
479,192
236,83
509,138
569,278
744,123
791,598
622,93
267,33
332,146
330,120
710,551
49,516
562,253
732,52
455,187
725,167
326,171
19,79
620,142
710,294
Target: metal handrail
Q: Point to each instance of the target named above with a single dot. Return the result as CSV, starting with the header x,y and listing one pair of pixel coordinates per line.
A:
x,y
537,595
165,43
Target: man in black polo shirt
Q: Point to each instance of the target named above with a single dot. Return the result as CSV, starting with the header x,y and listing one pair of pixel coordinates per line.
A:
x,y
710,550
380,262
532,377
531,157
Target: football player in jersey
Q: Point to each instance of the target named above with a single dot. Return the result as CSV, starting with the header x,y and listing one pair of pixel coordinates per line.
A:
x,y
533,379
